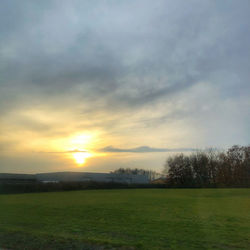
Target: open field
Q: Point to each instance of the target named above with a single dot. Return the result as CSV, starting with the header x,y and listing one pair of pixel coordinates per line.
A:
x,y
134,218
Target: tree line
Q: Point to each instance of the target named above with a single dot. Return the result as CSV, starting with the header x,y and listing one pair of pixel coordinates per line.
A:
x,y
210,168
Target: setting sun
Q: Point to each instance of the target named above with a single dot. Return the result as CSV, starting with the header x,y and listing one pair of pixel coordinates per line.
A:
x,y
80,157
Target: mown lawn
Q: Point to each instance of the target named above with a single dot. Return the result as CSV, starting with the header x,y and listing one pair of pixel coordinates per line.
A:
x,y
135,218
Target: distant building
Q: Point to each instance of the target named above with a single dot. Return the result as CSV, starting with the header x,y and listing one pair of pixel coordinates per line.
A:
x,y
87,176
73,177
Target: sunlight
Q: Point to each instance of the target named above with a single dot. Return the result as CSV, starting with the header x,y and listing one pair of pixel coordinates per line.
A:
x,y
81,143
80,157
78,146
81,140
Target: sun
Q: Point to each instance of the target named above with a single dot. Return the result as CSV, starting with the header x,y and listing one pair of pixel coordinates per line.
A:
x,y
79,146
80,157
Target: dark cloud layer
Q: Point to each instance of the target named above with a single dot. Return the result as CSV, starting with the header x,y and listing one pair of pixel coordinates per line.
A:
x,y
140,54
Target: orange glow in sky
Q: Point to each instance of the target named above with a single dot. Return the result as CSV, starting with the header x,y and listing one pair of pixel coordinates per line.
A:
x,y
80,157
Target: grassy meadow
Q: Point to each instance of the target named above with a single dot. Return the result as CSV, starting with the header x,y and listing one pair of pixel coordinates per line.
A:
x,y
127,219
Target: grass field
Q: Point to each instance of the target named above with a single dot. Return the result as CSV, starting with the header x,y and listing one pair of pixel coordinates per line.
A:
x,y
127,219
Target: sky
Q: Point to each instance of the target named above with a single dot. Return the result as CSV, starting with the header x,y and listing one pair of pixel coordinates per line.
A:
x,y
97,85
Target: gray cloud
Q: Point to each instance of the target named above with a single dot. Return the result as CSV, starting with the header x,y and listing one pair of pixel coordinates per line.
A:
x,y
167,49
144,149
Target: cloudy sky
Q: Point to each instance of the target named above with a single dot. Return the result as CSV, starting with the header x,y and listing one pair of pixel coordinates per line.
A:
x,y
96,85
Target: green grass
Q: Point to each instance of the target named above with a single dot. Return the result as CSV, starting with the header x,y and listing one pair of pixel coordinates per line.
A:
x,y
138,218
